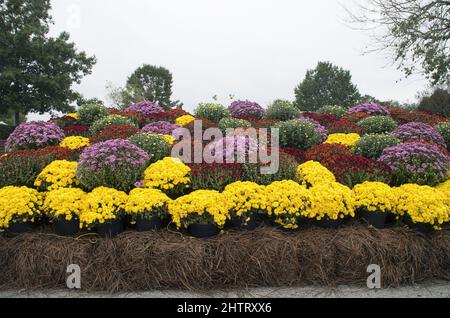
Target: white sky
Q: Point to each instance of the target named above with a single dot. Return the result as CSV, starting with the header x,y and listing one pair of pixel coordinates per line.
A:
x,y
255,49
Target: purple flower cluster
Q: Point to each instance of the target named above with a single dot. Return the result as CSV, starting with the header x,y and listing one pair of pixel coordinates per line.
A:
x,y
246,110
111,154
145,108
413,130
160,127
34,134
321,129
416,162
369,108
231,148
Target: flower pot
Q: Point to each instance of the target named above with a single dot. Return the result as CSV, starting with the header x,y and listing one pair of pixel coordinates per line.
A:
x,y
423,228
326,223
203,230
18,228
239,224
111,228
66,228
152,224
375,219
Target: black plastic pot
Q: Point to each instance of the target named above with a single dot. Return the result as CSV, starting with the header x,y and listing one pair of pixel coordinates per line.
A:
x,y
423,228
152,224
66,228
375,219
239,224
326,223
111,228
203,230
18,228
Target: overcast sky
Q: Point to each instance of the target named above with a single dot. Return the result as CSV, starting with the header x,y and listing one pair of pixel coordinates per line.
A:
x,y
255,49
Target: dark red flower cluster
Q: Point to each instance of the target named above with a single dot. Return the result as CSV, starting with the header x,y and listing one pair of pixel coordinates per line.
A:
x,y
214,176
327,154
206,123
57,153
345,127
355,117
81,130
298,155
169,115
115,132
352,170
263,123
324,120
402,116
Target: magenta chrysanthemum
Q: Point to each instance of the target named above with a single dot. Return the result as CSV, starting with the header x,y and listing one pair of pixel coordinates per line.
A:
x,y
145,108
34,134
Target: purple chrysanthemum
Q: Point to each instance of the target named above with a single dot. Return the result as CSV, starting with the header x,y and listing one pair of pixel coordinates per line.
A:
x,y
321,129
246,109
414,130
34,134
232,148
160,127
369,108
145,108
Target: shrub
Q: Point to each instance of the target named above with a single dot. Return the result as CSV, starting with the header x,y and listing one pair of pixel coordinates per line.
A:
x,y
372,145
378,124
369,108
33,135
210,111
115,132
58,174
116,120
90,113
345,127
282,110
334,110
145,108
156,146
160,127
246,109
233,123
321,129
114,163
416,163
438,103
444,130
19,204
298,134
5,131
419,131
327,153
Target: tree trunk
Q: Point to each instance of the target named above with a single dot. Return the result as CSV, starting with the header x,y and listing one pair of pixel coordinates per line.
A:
x,y
16,118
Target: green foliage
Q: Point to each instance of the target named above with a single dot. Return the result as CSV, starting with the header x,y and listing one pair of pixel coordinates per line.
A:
x,y
437,103
5,131
102,123
232,123
286,171
378,124
371,146
211,111
334,110
90,113
327,84
282,110
298,134
444,129
155,145
37,72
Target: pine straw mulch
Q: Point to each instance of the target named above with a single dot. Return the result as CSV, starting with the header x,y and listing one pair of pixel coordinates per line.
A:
x,y
266,257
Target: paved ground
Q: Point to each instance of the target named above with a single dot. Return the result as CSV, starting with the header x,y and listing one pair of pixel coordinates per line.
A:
x,y
435,290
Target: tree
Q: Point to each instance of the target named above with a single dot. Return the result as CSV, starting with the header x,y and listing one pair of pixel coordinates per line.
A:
x,y
36,71
417,32
327,84
151,83
438,102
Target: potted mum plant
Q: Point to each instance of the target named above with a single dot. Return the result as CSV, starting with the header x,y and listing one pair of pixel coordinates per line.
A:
x,y
105,210
147,208
64,207
201,212
19,209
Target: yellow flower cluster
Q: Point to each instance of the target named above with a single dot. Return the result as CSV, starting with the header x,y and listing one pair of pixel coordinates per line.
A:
x,y
19,204
374,197
445,189
331,200
58,174
202,206
169,139
348,140
166,174
74,116
146,202
312,173
75,142
184,120
246,198
287,201
423,204
104,204
65,203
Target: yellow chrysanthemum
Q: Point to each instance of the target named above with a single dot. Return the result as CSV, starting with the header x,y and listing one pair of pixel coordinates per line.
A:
x,y
19,204
348,140
332,200
75,142
245,198
143,201
66,203
374,197
167,174
58,174
312,173
184,120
